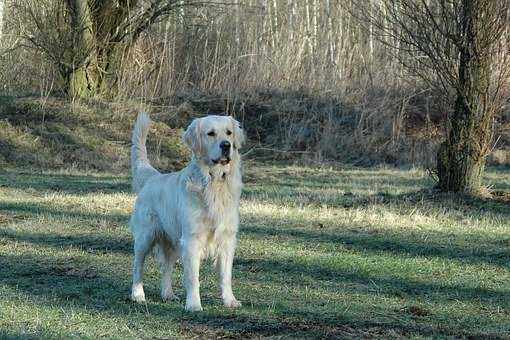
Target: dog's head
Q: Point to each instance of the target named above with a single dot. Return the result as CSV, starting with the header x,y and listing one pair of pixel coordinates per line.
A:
x,y
214,139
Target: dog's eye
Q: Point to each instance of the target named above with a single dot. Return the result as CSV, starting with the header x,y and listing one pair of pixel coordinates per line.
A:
x,y
229,132
211,133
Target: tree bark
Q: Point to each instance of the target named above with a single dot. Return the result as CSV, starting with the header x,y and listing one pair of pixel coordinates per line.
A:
x,y
1,19
82,80
461,158
99,48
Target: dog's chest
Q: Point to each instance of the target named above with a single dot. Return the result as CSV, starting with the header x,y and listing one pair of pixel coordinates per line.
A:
x,y
216,200
217,203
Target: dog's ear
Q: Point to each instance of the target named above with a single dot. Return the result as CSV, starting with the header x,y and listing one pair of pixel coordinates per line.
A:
x,y
238,134
192,135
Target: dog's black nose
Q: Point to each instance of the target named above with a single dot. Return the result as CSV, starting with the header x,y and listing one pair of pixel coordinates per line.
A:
x,y
225,146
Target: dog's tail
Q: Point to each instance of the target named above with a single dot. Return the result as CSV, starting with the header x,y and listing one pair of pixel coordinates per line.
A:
x,y
141,170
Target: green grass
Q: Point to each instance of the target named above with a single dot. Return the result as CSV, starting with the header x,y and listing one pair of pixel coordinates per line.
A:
x,y
331,252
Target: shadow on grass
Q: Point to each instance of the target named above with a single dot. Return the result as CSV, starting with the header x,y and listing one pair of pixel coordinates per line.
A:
x,y
392,287
90,242
295,193
344,188
366,179
57,282
469,205
71,184
106,293
13,335
406,202
296,269
34,209
389,242
394,243
94,243
54,282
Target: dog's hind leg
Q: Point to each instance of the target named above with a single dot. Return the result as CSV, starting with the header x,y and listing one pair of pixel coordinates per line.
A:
x,y
166,256
143,244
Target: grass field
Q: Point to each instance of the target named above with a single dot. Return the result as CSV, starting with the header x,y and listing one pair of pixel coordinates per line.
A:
x,y
323,253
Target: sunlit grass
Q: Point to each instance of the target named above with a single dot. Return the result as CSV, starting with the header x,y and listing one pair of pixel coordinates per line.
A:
x,y
331,252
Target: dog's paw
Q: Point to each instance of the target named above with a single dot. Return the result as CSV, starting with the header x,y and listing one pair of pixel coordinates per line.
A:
x,y
194,308
169,296
232,303
139,298
137,294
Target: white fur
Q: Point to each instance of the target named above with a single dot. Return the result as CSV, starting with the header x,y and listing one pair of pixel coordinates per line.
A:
x,y
188,214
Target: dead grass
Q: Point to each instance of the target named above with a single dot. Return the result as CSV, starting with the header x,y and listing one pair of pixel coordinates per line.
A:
x,y
281,125
54,133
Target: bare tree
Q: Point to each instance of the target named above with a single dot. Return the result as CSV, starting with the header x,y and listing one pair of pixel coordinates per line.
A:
x,y
86,39
452,44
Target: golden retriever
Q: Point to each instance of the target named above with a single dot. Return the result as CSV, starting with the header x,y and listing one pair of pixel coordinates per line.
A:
x,y
189,214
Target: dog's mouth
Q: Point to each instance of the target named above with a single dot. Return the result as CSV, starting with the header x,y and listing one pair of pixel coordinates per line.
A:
x,y
221,160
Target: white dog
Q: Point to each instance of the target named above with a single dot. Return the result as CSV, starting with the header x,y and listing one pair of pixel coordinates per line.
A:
x,y
191,213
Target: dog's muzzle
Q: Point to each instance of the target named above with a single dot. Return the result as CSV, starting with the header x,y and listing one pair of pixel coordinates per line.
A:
x,y
222,160
225,153
225,148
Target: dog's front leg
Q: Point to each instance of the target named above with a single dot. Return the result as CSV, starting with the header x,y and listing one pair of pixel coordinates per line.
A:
x,y
224,265
192,252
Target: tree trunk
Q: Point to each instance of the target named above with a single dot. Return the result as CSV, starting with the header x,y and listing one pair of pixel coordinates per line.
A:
x,y
110,65
82,80
81,84
1,19
461,158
